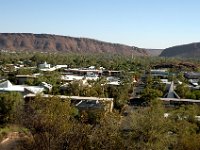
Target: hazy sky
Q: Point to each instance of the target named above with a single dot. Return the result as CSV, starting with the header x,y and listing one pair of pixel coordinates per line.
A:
x,y
142,23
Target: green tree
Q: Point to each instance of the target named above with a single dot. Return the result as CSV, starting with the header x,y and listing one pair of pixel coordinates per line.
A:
x,y
49,121
182,90
196,93
10,105
107,135
185,128
74,88
149,94
23,71
149,128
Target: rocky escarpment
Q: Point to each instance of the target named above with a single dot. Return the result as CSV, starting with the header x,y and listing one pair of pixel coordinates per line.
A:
x,y
49,43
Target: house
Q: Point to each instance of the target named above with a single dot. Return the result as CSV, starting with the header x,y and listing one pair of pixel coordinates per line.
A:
x,y
47,67
192,75
175,102
193,79
21,79
60,66
7,86
84,103
111,73
69,78
194,82
113,81
161,73
90,105
44,66
80,74
83,71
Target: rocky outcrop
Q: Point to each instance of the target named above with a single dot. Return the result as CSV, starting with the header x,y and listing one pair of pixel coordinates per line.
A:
x,y
49,43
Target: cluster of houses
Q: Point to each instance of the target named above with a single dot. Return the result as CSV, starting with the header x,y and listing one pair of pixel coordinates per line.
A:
x,y
171,98
193,78
83,74
67,75
92,73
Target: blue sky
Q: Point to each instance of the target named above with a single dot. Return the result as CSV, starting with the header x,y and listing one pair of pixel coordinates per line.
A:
x,y
142,23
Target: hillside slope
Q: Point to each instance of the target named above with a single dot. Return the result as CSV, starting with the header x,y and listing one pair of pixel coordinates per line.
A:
x,y
189,50
48,43
154,52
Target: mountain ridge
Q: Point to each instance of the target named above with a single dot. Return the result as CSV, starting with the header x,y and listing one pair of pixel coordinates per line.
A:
x,y
191,50
60,43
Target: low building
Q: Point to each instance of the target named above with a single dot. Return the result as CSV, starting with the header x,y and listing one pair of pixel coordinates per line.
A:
x,y
161,73
175,102
47,67
7,86
69,78
22,79
113,81
90,105
61,66
81,102
192,75
193,79
83,72
194,82
111,73
44,66
80,74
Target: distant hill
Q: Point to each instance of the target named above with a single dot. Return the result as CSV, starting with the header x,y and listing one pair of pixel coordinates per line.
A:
x,y
188,50
56,43
154,52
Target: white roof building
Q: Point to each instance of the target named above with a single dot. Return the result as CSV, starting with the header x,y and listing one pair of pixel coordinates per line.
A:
x,y
47,67
7,86
44,66
71,77
60,66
